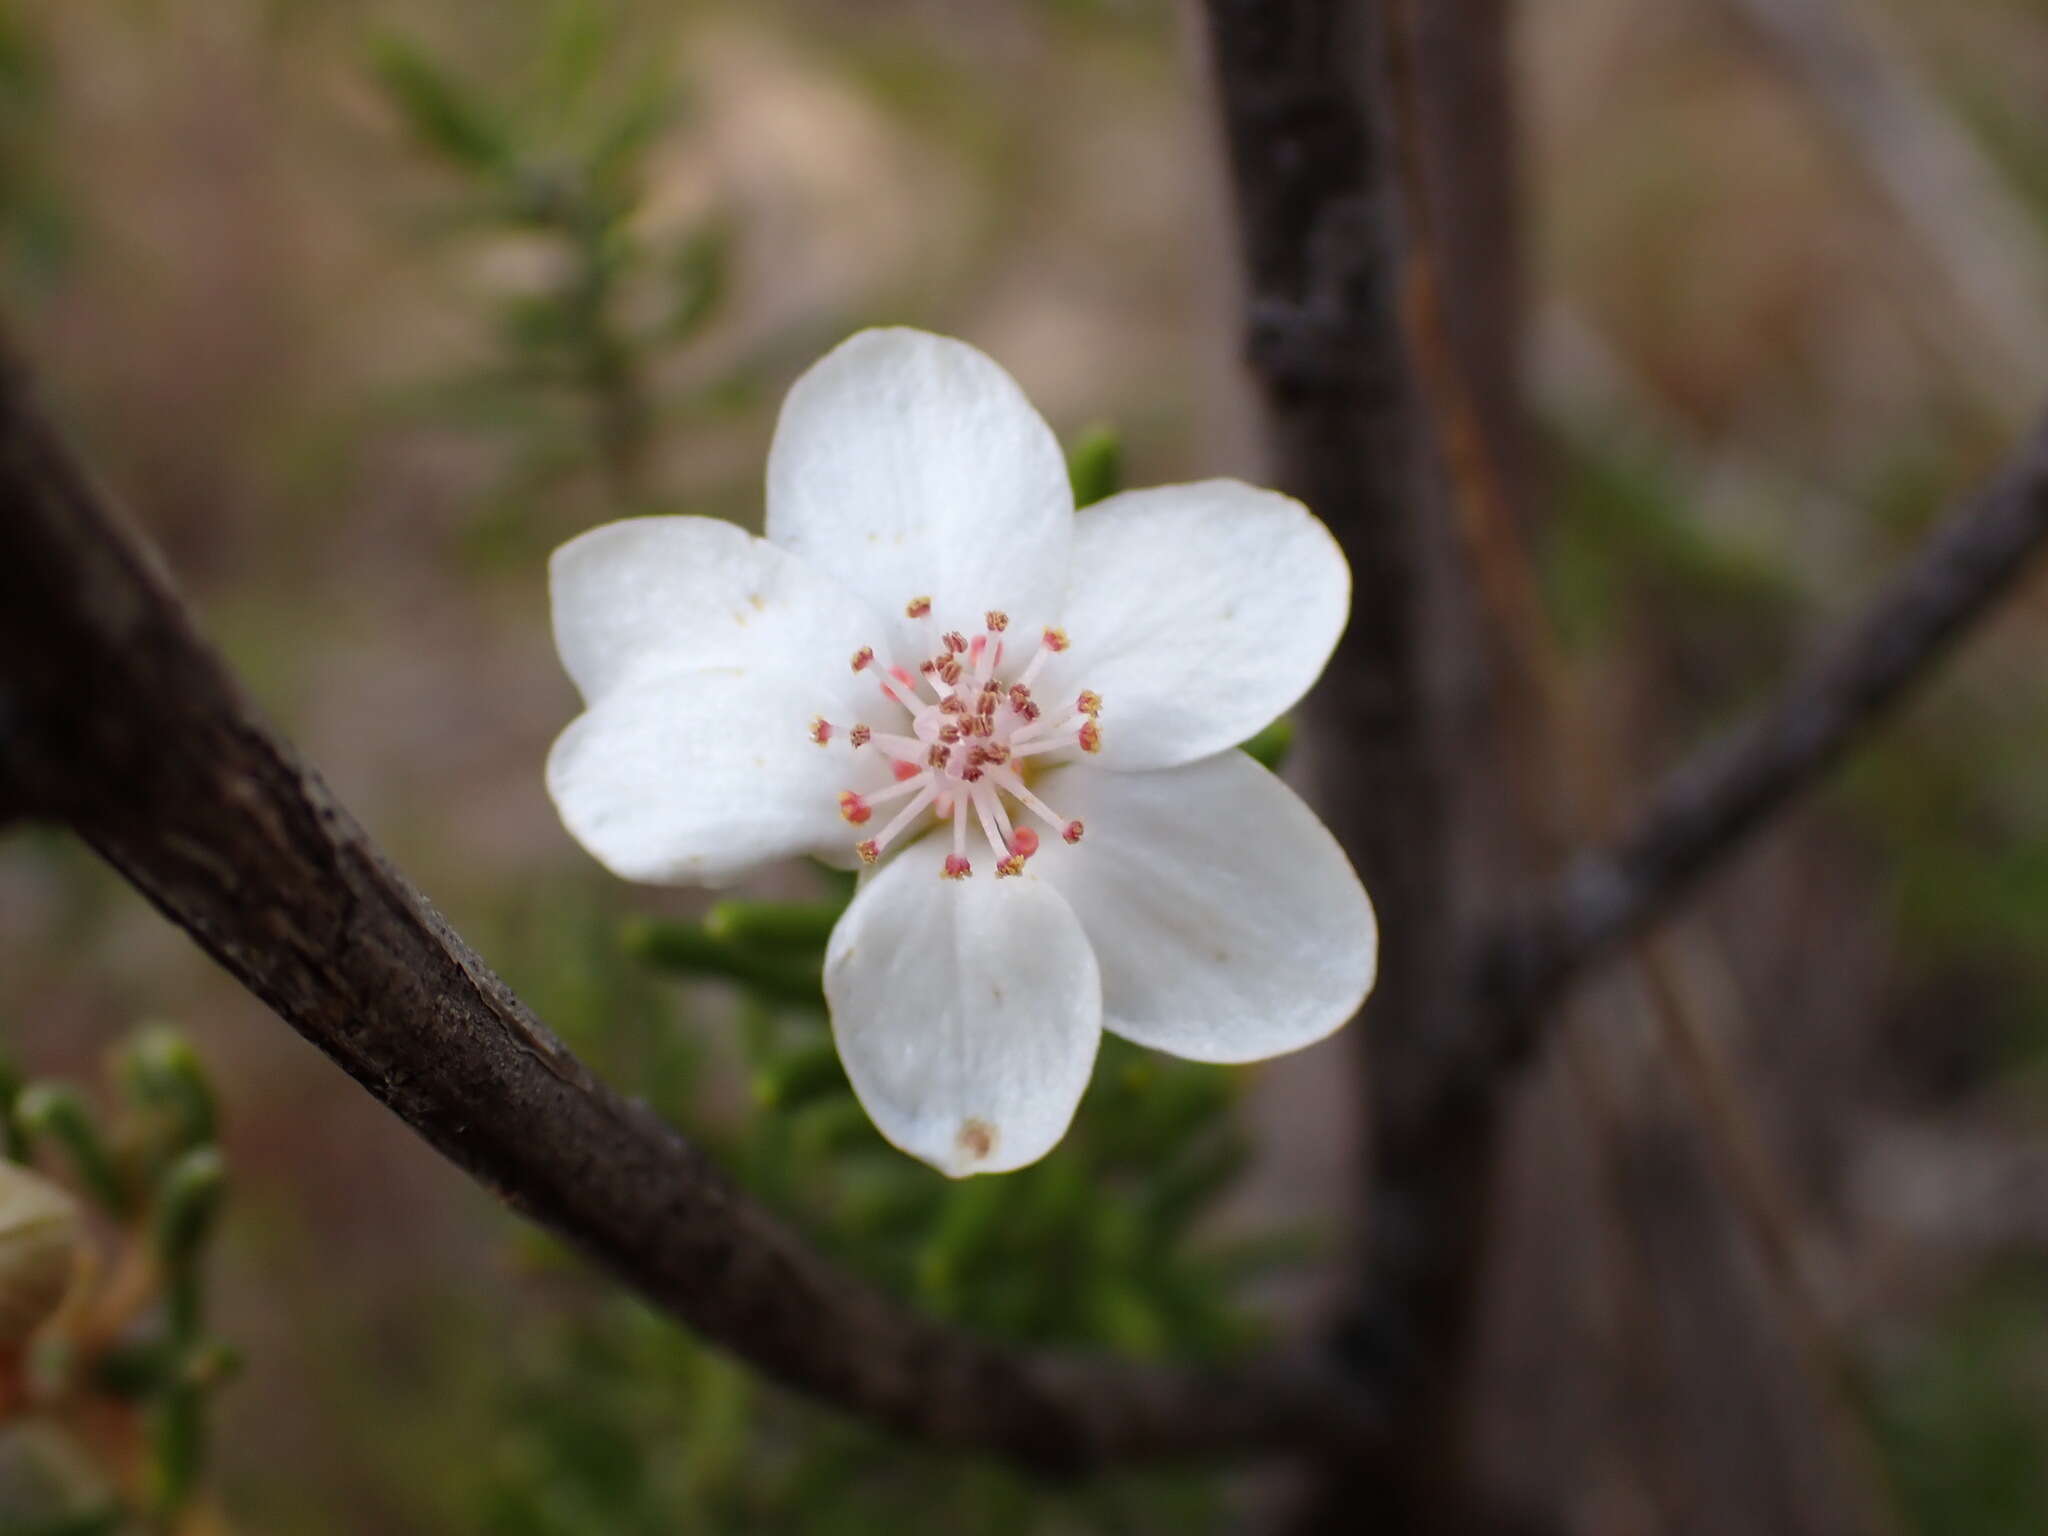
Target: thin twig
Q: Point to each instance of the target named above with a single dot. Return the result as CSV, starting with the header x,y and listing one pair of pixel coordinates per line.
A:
x,y
1710,806
118,720
1640,1361
1769,1215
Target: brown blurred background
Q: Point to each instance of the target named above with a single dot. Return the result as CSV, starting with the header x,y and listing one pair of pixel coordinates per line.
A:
x,y
1788,293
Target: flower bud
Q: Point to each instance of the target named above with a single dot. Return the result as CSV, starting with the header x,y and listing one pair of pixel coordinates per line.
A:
x,y
38,1251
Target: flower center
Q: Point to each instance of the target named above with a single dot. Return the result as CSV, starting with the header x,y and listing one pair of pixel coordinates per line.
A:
x,y
968,744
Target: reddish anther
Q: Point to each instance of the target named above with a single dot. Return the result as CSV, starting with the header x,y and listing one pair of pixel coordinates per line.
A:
x,y
966,751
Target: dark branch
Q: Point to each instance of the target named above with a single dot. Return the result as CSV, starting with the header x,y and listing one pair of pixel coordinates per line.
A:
x,y
116,719
1301,88
1706,809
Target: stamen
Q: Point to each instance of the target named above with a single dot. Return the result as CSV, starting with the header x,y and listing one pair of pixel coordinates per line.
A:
x,y
1038,733
1050,643
995,803
1007,778
983,795
957,867
899,687
1045,744
928,680
964,744
927,792
1034,728
913,781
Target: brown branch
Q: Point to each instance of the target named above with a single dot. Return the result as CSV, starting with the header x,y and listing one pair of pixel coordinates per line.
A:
x,y
1300,88
116,719
1711,805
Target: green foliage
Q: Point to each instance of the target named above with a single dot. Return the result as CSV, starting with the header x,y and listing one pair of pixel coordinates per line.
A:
x,y
1095,465
1271,746
153,1169
614,1419
442,115
773,972
57,1112
1151,1150
1963,1411
36,223
1956,809
562,158
1623,547
620,1424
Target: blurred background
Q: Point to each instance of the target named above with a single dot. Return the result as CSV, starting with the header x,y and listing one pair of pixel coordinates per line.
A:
x,y
360,308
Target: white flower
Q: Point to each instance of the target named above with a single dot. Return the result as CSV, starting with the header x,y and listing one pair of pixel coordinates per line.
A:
x,y
1027,716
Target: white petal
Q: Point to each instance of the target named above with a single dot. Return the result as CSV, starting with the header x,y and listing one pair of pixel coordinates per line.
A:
x,y
908,465
658,594
694,777
1199,613
1228,923
967,1012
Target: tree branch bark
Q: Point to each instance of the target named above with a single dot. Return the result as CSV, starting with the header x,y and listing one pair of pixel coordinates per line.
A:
x,y
1710,806
118,720
1301,93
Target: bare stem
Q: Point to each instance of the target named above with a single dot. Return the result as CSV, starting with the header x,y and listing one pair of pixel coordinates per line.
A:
x,y
1710,806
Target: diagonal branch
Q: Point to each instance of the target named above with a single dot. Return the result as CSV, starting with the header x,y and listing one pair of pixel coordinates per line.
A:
x,y
1706,809
116,719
